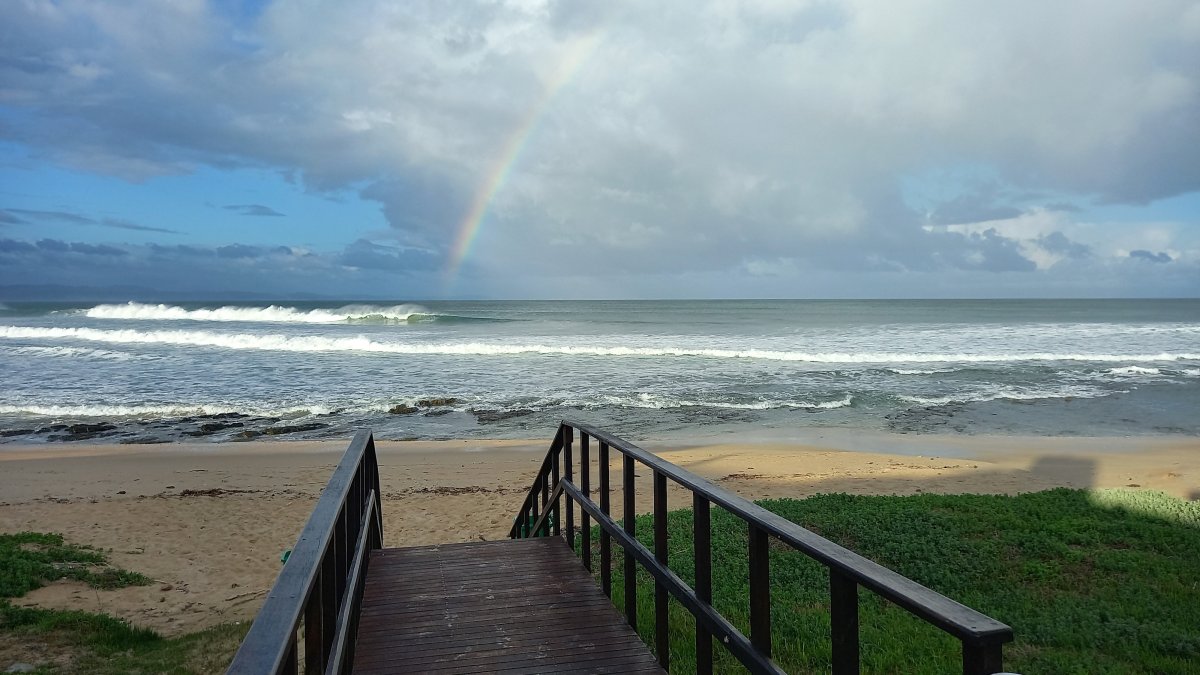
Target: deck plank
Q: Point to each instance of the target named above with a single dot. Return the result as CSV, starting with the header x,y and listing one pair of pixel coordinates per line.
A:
x,y
513,606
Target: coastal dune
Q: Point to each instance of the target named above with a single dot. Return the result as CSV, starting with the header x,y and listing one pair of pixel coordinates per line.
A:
x,y
210,522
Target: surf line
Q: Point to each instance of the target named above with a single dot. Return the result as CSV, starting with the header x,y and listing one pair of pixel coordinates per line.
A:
x,y
498,173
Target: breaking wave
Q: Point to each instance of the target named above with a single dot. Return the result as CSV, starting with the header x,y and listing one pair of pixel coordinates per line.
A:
x,y
72,352
176,410
661,402
361,343
271,314
1133,370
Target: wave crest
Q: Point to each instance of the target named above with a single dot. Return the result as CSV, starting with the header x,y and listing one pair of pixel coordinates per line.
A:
x,y
271,314
313,343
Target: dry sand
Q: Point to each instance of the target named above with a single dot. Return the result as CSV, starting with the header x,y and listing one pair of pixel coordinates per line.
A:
x,y
209,522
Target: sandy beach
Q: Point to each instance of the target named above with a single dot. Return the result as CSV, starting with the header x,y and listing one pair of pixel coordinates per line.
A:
x,y
209,522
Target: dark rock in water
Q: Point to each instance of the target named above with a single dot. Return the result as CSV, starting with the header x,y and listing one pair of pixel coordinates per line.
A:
x,y
436,402
294,428
90,428
211,428
223,416
499,415
438,413
15,432
925,419
143,440
402,409
79,432
52,427
247,435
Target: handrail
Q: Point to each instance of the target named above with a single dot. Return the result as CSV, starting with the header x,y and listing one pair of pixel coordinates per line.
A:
x,y
982,637
321,584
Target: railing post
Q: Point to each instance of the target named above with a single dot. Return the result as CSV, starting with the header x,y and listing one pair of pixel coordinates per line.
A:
x,y
289,661
982,659
314,626
629,509
373,462
557,502
662,642
329,598
843,622
545,498
341,558
702,545
568,439
532,499
605,537
585,486
760,590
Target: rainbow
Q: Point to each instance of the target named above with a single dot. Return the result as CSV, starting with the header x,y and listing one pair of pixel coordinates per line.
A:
x,y
498,173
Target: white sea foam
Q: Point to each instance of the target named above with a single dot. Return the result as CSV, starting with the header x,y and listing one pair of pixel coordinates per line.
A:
x,y
175,410
661,401
307,343
920,371
271,314
1008,394
71,352
1133,370
1192,372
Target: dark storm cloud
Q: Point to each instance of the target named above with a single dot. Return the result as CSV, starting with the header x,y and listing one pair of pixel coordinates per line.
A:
x,y
254,210
1150,256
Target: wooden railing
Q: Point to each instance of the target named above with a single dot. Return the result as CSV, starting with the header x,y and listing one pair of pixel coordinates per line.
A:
x,y
321,584
982,637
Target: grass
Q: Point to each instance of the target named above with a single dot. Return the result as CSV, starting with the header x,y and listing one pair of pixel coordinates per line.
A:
x,y
95,643
1091,582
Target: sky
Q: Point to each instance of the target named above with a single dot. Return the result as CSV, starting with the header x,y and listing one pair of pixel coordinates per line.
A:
x,y
600,149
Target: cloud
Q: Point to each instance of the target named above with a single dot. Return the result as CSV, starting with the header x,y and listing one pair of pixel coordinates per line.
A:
x,y
21,216
1149,256
642,138
53,247
1058,243
253,210
122,224
370,255
363,269
57,216
236,251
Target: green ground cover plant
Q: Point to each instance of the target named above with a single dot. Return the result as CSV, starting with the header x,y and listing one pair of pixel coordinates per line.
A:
x,y
1091,581
86,641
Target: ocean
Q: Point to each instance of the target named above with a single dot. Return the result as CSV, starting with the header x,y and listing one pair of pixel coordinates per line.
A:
x,y
222,371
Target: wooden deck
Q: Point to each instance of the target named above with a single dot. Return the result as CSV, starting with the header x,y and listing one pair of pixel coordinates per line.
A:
x,y
513,606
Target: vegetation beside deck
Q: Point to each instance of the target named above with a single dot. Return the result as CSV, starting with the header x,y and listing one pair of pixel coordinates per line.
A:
x,y
1091,582
78,641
